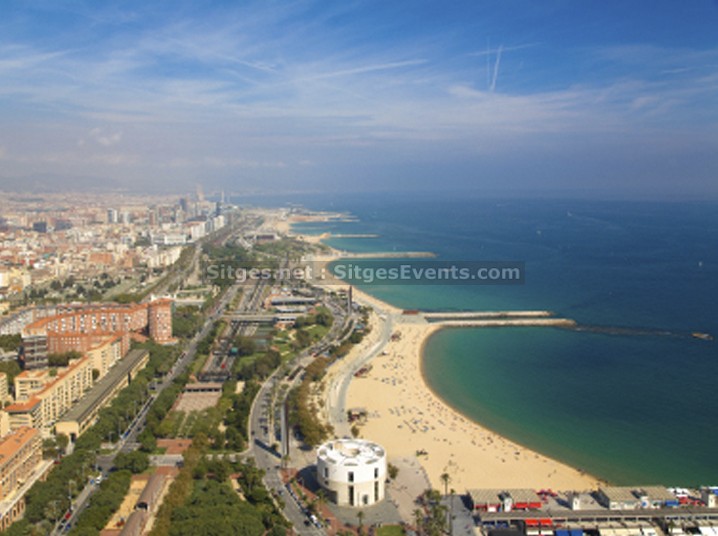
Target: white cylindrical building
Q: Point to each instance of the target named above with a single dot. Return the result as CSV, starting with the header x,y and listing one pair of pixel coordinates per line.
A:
x,y
352,471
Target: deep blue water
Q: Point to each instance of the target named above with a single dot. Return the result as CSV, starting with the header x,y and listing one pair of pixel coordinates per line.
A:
x,y
630,408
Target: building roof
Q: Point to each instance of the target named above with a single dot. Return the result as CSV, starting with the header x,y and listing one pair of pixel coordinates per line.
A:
x,y
101,390
619,494
33,374
203,386
134,523
15,441
485,496
23,407
657,493
523,495
350,452
493,496
149,494
60,373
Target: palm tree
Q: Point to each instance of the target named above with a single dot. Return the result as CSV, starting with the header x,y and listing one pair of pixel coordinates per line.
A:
x,y
360,518
445,478
451,510
321,500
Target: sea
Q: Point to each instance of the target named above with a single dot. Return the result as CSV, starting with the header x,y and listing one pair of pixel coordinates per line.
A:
x,y
631,395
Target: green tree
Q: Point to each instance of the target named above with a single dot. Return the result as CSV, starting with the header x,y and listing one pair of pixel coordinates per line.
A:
x,y
136,462
62,359
11,369
303,338
10,343
393,471
245,345
147,441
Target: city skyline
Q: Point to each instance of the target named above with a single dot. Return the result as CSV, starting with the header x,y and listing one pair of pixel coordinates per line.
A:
x,y
515,98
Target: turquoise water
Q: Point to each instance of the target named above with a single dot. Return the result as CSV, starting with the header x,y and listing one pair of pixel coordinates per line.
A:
x,y
630,408
604,404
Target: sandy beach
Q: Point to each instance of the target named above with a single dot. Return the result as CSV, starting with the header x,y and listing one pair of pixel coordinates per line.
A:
x,y
406,416
408,419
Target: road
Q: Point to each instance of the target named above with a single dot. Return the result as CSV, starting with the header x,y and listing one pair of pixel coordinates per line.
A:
x,y
261,441
337,389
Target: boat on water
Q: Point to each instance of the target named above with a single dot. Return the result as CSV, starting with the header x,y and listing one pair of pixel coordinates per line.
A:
x,y
702,336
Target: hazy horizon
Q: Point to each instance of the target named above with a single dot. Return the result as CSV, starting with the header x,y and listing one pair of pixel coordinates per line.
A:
x,y
506,98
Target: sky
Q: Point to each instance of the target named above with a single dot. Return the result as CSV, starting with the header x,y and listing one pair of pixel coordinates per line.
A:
x,y
597,98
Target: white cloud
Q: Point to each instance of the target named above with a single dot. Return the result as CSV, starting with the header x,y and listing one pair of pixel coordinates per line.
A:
x,y
218,93
105,139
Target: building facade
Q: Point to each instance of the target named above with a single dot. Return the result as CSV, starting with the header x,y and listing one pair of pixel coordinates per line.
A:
x,y
352,471
159,319
105,354
84,327
4,392
43,396
20,456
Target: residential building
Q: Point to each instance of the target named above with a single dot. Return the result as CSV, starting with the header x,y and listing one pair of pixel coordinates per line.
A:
x,y
20,458
84,413
42,398
85,327
4,391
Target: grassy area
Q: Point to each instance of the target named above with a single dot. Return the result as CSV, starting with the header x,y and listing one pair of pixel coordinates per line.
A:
x,y
390,530
180,424
171,424
248,359
284,347
198,364
317,331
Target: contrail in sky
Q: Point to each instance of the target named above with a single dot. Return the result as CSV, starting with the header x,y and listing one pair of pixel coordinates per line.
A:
x,y
496,68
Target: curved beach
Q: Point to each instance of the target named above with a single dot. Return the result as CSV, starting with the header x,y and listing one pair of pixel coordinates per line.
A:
x,y
409,419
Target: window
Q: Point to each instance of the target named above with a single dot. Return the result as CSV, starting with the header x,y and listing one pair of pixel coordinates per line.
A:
x,y
351,476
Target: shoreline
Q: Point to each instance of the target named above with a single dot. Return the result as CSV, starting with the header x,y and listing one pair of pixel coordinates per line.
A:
x,y
407,416
586,479
410,420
